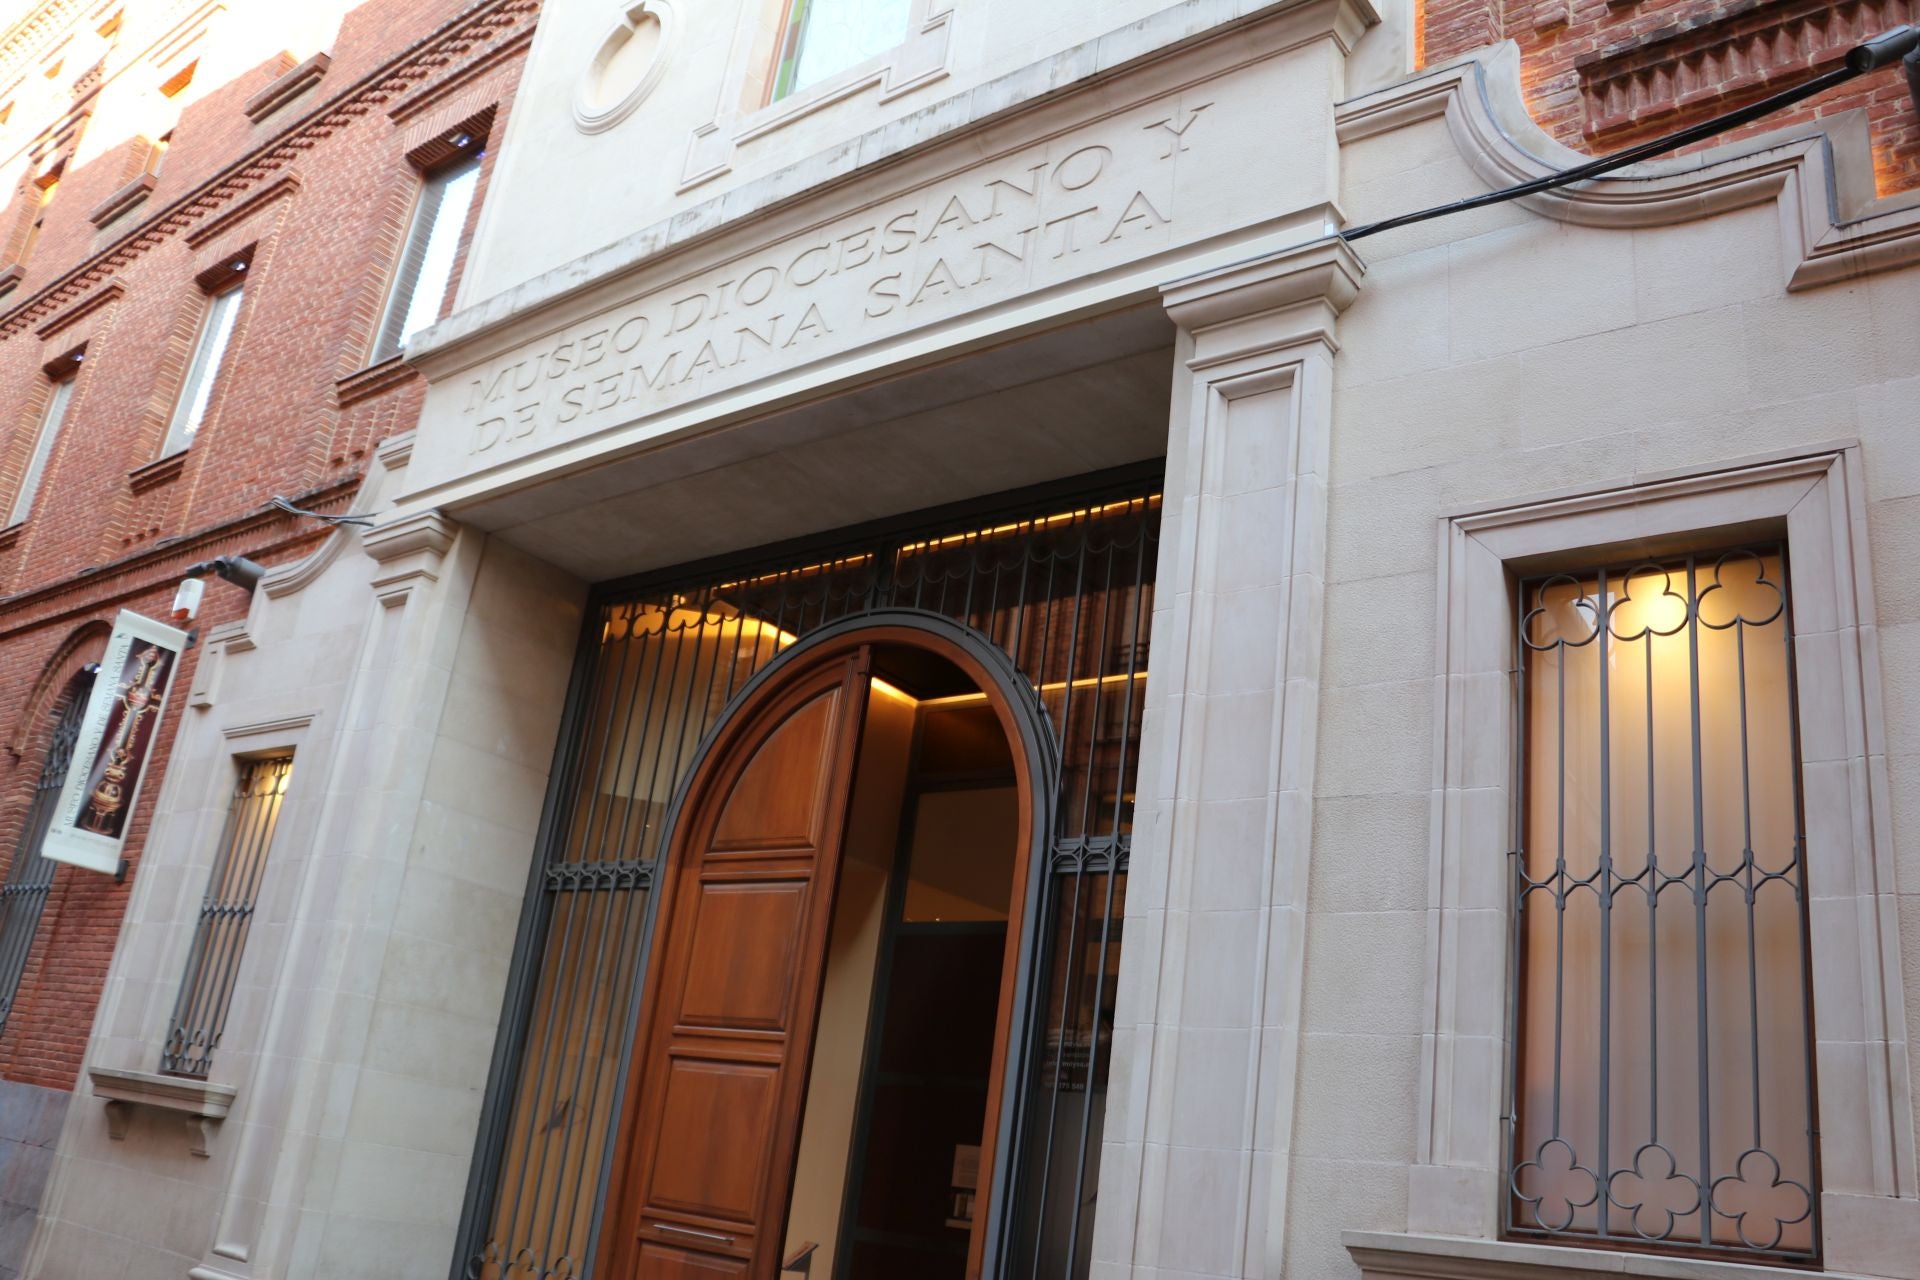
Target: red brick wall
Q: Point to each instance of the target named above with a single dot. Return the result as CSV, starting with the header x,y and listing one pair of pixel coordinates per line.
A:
x,y
320,192
1604,74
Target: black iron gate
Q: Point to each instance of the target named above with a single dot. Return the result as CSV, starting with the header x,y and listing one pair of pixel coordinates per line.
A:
x,y
24,895
1061,580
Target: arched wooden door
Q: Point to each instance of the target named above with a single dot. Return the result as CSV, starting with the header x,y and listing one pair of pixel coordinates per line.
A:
x,y
727,1038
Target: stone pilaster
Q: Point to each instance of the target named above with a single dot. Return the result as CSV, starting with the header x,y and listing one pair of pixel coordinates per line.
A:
x,y
1194,1177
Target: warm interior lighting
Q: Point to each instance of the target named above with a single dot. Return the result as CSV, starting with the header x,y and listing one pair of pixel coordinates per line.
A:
x,y
1052,686
1036,522
892,691
1662,1035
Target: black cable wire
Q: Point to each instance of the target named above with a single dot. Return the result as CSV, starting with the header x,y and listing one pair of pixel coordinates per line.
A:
x,y
283,504
1882,51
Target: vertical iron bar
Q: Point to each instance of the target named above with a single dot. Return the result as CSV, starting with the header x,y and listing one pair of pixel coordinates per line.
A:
x,y
1700,906
1525,663
1653,907
1746,867
636,803
594,780
1067,985
1560,878
1604,874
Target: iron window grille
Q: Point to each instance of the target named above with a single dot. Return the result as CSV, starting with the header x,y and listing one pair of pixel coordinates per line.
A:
x,y
1662,1082
24,895
1062,580
226,917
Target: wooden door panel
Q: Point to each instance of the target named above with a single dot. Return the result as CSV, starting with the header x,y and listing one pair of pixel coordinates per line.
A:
x,y
781,796
729,1023
742,963
723,1109
658,1262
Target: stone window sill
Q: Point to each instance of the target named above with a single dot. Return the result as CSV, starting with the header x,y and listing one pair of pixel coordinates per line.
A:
x,y
122,200
11,278
1390,1256
392,372
155,474
204,1105
291,84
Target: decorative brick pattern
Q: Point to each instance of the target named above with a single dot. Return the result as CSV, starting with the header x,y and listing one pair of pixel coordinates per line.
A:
x,y
318,192
1606,74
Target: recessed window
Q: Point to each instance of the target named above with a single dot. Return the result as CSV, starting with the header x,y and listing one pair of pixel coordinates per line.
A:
x,y
157,153
204,373
1663,1078
172,86
426,264
43,441
825,37
226,917
47,184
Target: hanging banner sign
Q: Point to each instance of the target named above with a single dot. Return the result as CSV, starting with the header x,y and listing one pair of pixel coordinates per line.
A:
x,y
116,744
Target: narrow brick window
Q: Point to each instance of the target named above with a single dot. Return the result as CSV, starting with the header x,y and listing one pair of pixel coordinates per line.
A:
x,y
226,917
157,153
216,330
1663,1061
426,264
43,441
825,37
46,186
24,894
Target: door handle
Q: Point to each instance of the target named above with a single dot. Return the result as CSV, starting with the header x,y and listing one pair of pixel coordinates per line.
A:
x,y
715,1236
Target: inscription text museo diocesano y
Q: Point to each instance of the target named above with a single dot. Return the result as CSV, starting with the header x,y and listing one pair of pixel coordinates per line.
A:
x,y
947,245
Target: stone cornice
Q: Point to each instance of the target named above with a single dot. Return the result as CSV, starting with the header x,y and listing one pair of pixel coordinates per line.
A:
x,y
410,550
425,531
481,330
422,62
1818,175
291,83
1325,271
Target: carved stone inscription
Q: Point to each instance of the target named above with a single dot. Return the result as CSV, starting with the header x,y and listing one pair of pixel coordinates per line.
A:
x,y
1052,213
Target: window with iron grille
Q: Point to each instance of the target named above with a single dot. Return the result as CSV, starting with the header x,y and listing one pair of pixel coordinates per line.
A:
x,y
1663,1074
1064,585
29,876
226,917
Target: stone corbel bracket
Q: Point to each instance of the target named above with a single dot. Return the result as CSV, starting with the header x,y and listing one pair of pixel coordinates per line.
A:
x,y
202,1104
410,550
1819,174
389,465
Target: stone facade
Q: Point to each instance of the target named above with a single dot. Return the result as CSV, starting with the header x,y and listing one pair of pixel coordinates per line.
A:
x,y
937,277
